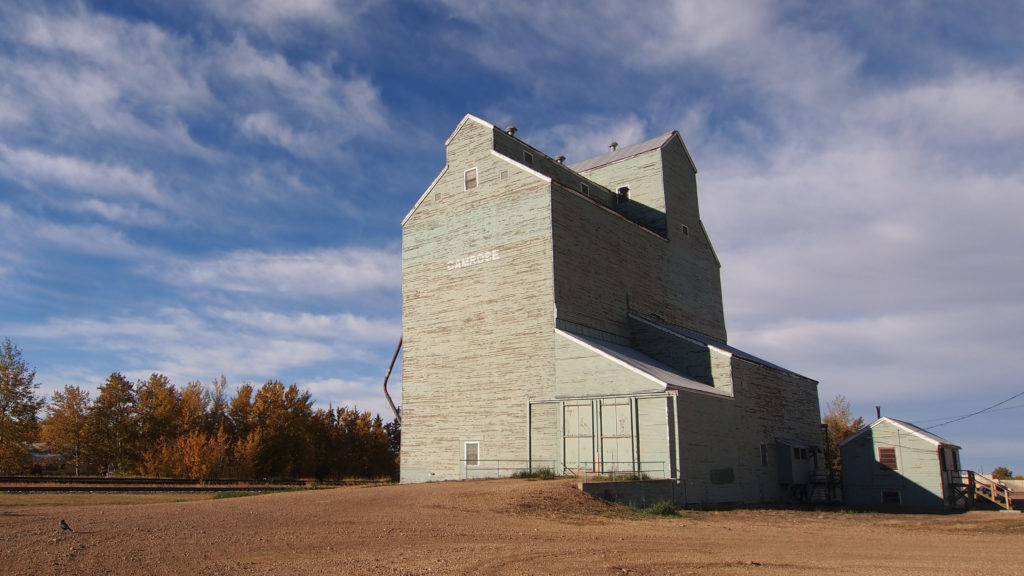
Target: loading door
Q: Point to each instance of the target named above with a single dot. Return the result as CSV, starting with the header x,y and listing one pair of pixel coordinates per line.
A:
x,y
578,436
616,436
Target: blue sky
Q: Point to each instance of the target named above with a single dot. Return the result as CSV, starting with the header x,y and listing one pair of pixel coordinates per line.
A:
x,y
215,187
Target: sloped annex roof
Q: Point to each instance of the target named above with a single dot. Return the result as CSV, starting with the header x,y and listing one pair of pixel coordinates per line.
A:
x,y
630,151
643,365
708,341
906,427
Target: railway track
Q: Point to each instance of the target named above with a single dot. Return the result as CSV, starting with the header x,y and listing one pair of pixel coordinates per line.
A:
x,y
25,484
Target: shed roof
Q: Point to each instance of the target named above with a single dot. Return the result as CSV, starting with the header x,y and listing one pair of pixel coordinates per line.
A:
x,y
648,367
906,427
708,341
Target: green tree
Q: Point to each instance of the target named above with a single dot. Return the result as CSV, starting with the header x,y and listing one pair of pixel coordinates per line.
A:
x,y
283,417
19,409
1002,473
841,425
241,421
113,425
65,430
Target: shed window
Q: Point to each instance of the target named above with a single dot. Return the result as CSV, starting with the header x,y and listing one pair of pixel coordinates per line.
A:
x,y
472,453
887,458
527,158
470,178
891,497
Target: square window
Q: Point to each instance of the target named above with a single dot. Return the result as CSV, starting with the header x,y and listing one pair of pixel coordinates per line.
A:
x,y
887,458
503,175
470,179
891,497
527,158
684,229
472,453
584,189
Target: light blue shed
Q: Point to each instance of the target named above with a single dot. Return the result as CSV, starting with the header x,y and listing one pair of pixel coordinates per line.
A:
x,y
891,463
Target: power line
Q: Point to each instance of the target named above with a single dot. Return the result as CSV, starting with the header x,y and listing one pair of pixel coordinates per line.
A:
x,y
941,418
982,411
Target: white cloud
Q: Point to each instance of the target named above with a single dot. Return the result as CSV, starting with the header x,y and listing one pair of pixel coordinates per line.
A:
x,y
185,345
322,272
32,167
341,327
87,75
324,109
363,394
281,18
591,136
269,126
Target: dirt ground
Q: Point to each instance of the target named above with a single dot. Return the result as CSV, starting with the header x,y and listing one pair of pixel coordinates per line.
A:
x,y
491,527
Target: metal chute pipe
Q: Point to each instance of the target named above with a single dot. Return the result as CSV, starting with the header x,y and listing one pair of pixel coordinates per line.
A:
x,y
398,417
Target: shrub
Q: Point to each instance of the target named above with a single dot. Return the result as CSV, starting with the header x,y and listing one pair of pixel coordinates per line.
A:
x,y
536,474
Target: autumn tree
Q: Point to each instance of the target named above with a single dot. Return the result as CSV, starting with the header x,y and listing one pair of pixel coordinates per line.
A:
x,y
65,430
840,425
1002,473
113,427
217,412
195,403
19,409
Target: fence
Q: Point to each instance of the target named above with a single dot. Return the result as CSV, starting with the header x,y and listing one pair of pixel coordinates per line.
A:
x,y
620,471
503,467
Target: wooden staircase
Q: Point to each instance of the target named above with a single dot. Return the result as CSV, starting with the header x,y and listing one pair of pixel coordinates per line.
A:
x,y
993,490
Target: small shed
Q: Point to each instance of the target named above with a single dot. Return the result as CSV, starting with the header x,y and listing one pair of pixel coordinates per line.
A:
x,y
894,464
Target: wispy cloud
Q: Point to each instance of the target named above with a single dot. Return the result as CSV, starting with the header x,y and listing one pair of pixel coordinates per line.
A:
x,y
32,167
322,272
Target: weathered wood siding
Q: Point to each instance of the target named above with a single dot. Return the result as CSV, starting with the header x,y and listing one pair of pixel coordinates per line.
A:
x,y
477,338
686,288
490,272
918,477
721,438
581,371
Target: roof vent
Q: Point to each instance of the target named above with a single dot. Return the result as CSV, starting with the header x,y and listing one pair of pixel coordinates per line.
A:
x,y
560,159
511,130
613,146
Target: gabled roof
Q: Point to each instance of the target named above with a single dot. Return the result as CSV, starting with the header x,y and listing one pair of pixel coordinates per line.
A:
x,y
906,427
660,374
630,151
699,338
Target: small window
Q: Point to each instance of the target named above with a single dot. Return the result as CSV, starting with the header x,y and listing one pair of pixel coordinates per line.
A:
x,y
887,458
584,189
764,454
470,178
891,497
684,229
503,175
527,158
472,453
437,196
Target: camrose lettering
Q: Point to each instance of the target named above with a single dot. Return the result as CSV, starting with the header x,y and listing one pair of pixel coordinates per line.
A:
x,y
473,259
